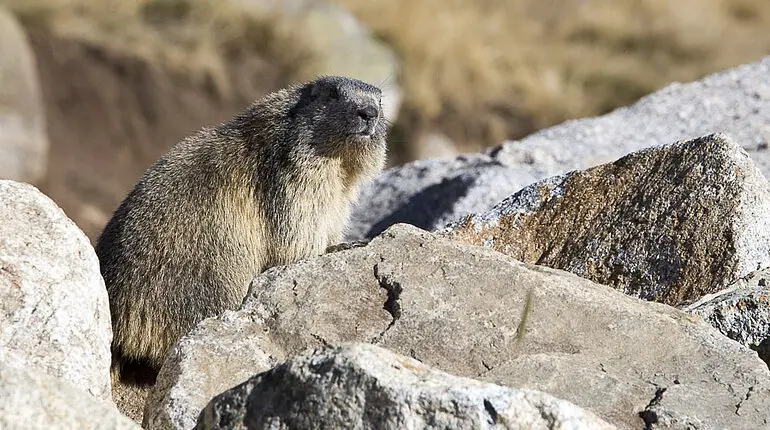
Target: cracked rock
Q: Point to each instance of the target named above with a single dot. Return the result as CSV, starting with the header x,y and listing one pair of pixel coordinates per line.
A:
x,y
666,411
670,223
54,314
461,310
741,312
392,306
364,386
432,193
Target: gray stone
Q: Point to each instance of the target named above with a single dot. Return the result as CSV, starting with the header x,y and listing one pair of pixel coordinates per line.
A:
x,y
477,313
23,135
194,372
54,314
741,312
736,102
669,223
430,193
343,46
356,386
32,400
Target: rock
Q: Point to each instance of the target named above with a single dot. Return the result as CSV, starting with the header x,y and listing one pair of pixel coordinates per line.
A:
x,y
430,194
741,312
669,223
459,308
23,135
190,376
54,314
364,386
736,102
343,45
34,400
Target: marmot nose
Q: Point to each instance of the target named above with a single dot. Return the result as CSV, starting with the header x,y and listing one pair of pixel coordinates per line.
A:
x,y
368,113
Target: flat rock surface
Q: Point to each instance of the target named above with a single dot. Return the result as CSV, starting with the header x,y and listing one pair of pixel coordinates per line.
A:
x,y
670,223
460,308
736,102
54,314
365,386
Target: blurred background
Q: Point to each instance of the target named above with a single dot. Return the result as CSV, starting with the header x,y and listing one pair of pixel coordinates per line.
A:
x,y
92,92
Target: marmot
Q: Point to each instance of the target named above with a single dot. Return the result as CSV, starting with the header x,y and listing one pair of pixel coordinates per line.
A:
x,y
271,186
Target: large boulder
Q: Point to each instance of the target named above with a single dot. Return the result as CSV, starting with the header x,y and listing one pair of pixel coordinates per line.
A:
x,y
428,194
670,223
474,312
741,312
54,314
365,386
23,135
34,400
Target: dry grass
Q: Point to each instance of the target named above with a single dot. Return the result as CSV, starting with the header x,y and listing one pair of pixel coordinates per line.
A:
x,y
199,39
486,70
478,70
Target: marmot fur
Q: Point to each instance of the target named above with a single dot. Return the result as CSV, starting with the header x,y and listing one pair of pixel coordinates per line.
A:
x,y
269,187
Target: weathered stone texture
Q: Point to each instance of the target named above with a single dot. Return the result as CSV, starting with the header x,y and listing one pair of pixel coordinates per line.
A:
x,y
54,313
459,308
669,223
364,386
741,312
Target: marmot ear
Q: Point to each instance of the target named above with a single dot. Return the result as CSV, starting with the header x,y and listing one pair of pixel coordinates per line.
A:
x,y
315,90
325,89
306,96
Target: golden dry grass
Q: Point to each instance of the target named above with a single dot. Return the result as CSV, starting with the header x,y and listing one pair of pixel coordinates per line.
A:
x,y
480,71
486,70
197,38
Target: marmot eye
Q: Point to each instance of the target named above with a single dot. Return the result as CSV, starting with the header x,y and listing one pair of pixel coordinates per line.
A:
x,y
334,93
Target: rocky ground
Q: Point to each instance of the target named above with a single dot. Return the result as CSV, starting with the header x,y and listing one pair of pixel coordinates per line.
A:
x,y
605,273
610,272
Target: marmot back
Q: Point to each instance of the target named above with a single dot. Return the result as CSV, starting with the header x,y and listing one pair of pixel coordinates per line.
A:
x,y
269,187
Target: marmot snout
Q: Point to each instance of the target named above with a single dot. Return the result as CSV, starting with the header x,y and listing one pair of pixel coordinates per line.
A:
x,y
269,187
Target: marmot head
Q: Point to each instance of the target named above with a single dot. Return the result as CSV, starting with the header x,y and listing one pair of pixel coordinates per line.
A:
x,y
340,117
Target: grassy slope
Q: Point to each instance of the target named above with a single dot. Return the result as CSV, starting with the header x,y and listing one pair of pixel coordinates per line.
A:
x,y
478,70
485,70
198,39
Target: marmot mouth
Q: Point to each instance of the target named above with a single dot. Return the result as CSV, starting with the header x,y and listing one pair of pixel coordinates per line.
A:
x,y
369,134
363,139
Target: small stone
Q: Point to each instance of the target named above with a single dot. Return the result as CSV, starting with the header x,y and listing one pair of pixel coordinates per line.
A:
x,y
741,312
